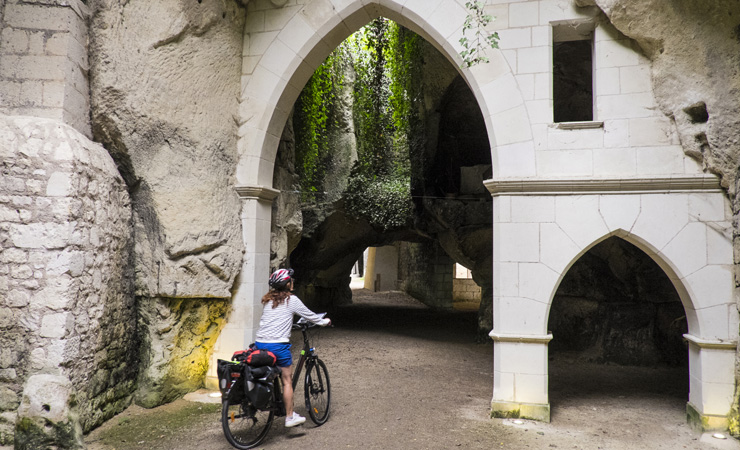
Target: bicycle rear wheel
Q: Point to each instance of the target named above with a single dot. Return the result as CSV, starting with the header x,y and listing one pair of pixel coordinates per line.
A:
x,y
244,425
318,391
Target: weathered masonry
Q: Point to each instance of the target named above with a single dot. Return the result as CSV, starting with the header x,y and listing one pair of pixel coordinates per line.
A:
x,y
137,166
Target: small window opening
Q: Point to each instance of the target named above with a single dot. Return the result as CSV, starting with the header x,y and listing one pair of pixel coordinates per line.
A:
x,y
462,272
572,80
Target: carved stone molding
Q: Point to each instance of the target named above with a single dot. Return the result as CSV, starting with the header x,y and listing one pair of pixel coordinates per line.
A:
x,y
257,192
714,344
521,338
566,186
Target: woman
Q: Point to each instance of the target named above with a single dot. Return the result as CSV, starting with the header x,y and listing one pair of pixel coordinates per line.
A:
x,y
274,333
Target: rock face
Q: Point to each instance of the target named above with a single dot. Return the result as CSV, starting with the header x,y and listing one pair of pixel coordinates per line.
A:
x,y
164,102
65,263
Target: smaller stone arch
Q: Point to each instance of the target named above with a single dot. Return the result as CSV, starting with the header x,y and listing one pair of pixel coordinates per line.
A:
x,y
692,315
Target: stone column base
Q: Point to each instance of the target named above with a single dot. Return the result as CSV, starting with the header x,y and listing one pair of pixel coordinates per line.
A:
x,y
705,422
533,411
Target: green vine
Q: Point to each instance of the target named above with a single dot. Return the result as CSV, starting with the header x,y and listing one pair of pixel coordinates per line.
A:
x,y
386,61
475,48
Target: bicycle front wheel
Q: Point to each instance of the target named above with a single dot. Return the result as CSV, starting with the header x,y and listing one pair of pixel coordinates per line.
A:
x,y
318,391
244,425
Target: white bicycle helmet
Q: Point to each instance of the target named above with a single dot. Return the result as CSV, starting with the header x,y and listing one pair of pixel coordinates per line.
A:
x,y
280,278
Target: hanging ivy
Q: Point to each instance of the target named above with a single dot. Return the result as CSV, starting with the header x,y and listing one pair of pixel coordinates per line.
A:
x,y
385,58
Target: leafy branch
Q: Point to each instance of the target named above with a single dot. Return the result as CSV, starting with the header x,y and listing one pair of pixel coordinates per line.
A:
x,y
475,47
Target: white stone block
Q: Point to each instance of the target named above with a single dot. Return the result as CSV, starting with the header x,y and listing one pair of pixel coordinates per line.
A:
x,y
719,245
537,282
531,388
259,43
503,384
687,251
511,58
519,242
614,162
707,207
485,73
514,38
715,366
518,315
276,19
321,16
534,60
717,398
512,126
579,218
526,85
522,358
616,133
542,85
607,81
634,79
617,53
506,279
420,9
619,211
502,94
500,13
540,111
535,209
501,209
299,35
539,136
564,163
542,36
447,18
558,139
557,249
662,217
624,106
515,160
650,132
660,160
524,14
262,85
278,59
711,293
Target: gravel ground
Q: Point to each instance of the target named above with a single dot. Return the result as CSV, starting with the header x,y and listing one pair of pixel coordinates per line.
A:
x,y
404,376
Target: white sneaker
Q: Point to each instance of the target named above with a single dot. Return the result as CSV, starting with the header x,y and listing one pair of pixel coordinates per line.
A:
x,y
295,420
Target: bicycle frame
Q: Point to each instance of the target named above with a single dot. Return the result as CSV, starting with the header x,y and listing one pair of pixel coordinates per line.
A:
x,y
307,353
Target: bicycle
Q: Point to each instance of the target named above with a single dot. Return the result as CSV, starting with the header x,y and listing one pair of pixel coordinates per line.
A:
x,y
245,425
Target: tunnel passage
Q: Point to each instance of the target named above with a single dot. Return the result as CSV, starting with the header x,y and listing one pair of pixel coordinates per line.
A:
x,y
440,151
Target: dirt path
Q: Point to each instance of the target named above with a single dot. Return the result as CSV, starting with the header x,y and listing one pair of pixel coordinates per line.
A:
x,y
407,377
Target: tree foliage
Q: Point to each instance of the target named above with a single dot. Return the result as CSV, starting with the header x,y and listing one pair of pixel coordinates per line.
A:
x,y
475,23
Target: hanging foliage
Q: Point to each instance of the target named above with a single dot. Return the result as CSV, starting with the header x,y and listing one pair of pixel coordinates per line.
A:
x,y
385,58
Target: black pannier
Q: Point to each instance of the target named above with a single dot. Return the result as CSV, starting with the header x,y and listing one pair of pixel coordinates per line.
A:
x,y
230,380
260,383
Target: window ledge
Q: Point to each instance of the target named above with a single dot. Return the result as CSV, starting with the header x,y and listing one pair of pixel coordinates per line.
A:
x,y
578,125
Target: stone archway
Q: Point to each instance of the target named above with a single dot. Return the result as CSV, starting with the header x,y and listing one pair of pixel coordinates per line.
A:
x,y
685,233
280,58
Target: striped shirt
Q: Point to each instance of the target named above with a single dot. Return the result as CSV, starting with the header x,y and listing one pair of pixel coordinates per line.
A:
x,y
276,323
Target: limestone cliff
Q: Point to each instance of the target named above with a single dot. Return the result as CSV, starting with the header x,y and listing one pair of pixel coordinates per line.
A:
x,y
165,78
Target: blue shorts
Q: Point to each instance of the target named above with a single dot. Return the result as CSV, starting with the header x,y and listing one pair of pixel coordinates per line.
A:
x,y
281,351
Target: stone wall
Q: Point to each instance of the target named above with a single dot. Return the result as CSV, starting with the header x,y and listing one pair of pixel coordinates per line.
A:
x,y
43,61
68,320
425,272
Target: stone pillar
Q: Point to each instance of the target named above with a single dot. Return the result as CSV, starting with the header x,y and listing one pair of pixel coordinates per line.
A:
x,y
243,321
520,376
711,383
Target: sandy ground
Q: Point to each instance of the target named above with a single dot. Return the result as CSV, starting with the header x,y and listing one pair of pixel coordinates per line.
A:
x,y
404,376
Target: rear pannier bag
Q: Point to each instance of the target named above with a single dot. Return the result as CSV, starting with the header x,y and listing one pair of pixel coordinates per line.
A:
x,y
230,380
